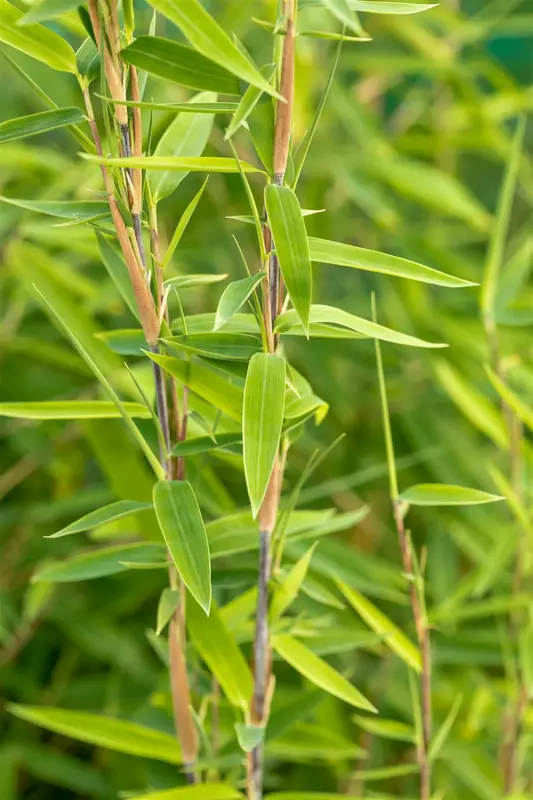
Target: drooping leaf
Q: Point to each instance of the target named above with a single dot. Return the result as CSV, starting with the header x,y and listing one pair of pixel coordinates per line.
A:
x,y
347,255
71,409
234,296
318,671
438,494
44,121
181,64
109,513
248,102
177,163
336,316
35,40
292,247
225,346
205,382
264,401
206,36
185,137
181,524
66,209
343,11
114,734
221,653
383,626
168,603
99,563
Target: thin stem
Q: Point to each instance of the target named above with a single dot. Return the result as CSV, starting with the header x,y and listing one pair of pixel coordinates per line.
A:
x,y
424,643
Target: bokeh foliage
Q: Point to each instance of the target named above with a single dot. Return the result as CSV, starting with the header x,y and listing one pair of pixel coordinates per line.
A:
x,y
409,159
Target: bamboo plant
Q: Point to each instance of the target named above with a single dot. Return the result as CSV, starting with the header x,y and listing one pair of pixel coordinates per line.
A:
x,y
243,591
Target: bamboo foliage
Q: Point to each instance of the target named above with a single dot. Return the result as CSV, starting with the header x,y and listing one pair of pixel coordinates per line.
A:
x,y
273,603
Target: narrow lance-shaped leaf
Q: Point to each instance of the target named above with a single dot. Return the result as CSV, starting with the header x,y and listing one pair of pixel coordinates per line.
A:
x,y
100,563
347,255
178,163
383,626
35,40
378,6
511,399
182,225
44,121
184,532
48,9
181,64
438,494
234,296
185,137
114,734
318,671
66,209
202,791
264,401
249,101
168,603
342,10
288,590
219,650
71,409
292,247
500,230
109,513
318,313
206,36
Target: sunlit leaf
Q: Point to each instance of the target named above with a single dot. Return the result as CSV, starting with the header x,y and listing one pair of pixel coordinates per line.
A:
x,y
234,296
438,494
343,11
35,40
109,513
177,163
168,603
292,248
44,121
226,346
98,563
264,400
184,532
71,409
318,671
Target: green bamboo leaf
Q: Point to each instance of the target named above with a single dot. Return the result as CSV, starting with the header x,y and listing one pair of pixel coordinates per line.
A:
x,y
476,407
204,444
203,791
521,409
347,255
342,10
500,230
318,671
206,36
113,734
96,369
66,209
439,739
387,728
249,736
264,401
224,346
109,513
168,603
219,650
71,409
182,225
181,64
249,101
203,381
191,281
438,494
336,316
178,163
188,107
44,121
292,248
35,40
394,638
288,590
48,9
118,272
234,297
378,6
186,137
184,532
99,563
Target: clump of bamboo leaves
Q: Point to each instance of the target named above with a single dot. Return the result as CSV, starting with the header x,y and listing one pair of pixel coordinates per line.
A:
x,y
222,385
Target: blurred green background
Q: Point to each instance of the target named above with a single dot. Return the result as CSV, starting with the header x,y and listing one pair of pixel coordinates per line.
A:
x,y
408,159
